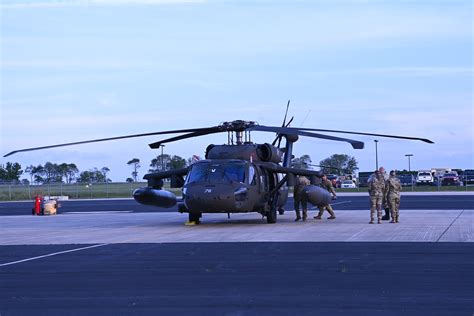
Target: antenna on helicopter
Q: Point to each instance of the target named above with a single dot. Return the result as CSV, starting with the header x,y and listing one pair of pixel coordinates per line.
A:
x,y
279,136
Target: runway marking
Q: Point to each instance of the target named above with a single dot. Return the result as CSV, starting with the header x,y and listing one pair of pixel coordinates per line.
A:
x,y
459,215
345,202
97,212
52,254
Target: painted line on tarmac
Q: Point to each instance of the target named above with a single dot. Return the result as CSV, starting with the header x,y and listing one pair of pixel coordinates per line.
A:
x,y
97,212
337,203
459,215
345,202
51,254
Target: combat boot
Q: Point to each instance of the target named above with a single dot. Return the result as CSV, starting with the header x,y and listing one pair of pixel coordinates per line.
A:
x,y
379,221
298,216
371,221
319,214
393,220
333,216
386,217
305,215
396,219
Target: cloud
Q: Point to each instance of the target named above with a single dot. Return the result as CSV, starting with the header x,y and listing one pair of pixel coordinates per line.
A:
x,y
89,3
403,71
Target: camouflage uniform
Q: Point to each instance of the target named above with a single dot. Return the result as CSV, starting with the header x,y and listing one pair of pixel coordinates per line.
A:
x,y
301,182
376,192
385,204
392,194
326,184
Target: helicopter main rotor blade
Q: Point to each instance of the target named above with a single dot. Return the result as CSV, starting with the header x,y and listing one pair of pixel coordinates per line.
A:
x,y
112,138
286,113
188,135
287,124
366,134
289,130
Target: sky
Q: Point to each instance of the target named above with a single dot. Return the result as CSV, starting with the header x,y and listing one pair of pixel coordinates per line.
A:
x,y
75,70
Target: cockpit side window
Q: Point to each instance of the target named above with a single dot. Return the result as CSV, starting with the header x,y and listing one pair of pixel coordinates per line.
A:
x,y
198,173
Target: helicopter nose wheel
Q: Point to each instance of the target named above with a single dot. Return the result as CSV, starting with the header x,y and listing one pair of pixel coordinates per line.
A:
x,y
195,217
272,215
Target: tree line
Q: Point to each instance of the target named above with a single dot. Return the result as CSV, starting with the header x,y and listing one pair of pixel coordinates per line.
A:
x,y
69,172
11,172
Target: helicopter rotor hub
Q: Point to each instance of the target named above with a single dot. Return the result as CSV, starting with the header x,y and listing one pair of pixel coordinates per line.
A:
x,y
236,126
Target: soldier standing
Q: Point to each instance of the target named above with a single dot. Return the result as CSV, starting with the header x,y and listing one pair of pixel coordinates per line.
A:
x,y
328,186
376,192
301,182
385,203
392,195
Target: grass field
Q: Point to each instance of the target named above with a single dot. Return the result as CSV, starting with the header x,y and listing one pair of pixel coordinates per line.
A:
x,y
125,190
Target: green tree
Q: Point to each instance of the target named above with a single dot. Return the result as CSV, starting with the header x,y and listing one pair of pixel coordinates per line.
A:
x,y
71,172
339,163
160,163
177,162
302,162
91,176
10,171
30,170
104,171
86,177
37,174
135,162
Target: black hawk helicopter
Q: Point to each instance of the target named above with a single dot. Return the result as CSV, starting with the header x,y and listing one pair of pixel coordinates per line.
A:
x,y
237,177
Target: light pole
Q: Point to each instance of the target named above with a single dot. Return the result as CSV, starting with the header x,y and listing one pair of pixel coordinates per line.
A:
x,y
376,155
409,166
162,159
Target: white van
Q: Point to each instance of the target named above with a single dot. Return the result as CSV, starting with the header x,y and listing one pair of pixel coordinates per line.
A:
x,y
424,177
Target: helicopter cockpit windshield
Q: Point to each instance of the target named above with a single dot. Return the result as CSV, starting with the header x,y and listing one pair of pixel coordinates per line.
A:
x,y
227,172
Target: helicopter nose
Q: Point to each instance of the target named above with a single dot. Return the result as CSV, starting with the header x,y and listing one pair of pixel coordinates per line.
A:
x,y
211,198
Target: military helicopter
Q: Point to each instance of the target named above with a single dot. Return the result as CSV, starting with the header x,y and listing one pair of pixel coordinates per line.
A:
x,y
237,177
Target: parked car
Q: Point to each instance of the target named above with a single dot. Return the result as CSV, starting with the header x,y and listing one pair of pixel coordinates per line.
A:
x,y
333,179
348,184
424,177
450,178
468,176
406,180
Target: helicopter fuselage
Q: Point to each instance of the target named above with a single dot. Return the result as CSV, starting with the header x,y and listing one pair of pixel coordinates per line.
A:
x,y
230,186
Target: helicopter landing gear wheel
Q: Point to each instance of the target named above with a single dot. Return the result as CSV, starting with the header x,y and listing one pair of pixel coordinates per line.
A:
x,y
272,216
194,217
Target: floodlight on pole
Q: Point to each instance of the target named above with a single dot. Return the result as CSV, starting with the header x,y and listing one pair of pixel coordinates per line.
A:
x,y
409,165
376,155
162,159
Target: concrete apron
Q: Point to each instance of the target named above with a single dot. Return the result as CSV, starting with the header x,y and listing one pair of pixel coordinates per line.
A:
x,y
350,226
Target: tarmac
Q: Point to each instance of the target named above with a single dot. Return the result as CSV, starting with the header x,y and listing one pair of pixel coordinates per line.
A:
x,y
114,258
124,227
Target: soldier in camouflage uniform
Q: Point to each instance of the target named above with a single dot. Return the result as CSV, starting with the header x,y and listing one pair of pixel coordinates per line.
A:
x,y
326,184
376,192
385,203
392,195
301,182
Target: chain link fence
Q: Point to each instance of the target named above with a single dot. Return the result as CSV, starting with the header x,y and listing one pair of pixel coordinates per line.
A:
x,y
18,192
